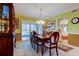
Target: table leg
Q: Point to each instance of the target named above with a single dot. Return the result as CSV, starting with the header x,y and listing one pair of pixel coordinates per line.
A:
x,y
42,48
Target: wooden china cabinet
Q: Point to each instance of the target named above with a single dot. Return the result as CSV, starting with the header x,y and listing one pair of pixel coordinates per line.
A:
x,y
6,29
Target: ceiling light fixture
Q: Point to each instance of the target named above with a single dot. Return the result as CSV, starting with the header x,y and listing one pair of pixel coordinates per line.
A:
x,y
41,21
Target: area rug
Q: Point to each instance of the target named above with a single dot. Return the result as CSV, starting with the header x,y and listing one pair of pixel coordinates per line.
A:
x,y
65,48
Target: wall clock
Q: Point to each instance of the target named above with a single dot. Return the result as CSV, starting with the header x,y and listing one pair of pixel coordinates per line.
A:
x,y
75,20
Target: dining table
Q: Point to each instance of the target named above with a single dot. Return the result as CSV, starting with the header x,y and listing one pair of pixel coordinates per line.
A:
x,y
44,39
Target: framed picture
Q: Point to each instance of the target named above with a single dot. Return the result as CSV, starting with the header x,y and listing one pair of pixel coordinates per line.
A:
x,y
51,25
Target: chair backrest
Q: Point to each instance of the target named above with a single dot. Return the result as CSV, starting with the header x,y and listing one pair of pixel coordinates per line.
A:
x,y
34,33
54,37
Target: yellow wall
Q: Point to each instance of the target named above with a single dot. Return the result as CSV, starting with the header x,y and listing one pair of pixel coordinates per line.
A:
x,y
26,19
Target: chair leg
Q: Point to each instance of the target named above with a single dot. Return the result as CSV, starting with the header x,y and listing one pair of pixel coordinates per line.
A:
x,y
34,46
37,48
45,49
50,52
57,51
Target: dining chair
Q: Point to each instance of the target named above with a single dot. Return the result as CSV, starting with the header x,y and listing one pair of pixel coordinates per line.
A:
x,y
36,41
53,42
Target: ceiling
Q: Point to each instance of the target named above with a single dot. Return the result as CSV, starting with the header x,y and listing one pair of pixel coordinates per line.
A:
x,y
48,9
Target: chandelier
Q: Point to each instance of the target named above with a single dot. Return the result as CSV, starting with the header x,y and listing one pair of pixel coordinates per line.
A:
x,y
41,21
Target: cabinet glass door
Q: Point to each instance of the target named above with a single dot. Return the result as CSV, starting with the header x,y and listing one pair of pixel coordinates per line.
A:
x,y
4,19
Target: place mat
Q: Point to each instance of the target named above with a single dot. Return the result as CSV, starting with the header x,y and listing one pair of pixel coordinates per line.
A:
x,y
65,48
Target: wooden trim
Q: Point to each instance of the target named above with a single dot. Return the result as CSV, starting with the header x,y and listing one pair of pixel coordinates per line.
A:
x,y
74,40
18,36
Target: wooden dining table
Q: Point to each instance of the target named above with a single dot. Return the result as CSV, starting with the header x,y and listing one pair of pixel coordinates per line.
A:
x,y
43,40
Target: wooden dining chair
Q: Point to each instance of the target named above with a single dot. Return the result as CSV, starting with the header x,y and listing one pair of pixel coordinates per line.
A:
x,y
36,41
53,42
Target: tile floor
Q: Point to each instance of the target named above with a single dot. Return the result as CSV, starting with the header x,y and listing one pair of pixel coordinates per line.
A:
x,y
24,49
